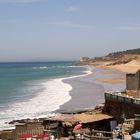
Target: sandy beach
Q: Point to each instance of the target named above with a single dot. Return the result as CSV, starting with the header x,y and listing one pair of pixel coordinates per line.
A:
x,y
131,67
88,91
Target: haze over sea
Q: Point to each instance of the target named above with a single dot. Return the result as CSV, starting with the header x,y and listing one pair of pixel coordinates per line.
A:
x,y
30,90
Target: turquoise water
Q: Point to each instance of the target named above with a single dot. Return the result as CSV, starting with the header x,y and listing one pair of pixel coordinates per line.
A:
x,y
14,76
26,88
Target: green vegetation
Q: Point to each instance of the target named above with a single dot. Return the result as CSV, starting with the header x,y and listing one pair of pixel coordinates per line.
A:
x,y
120,53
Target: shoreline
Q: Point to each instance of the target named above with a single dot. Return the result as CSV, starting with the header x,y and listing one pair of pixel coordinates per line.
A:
x,y
87,91
53,88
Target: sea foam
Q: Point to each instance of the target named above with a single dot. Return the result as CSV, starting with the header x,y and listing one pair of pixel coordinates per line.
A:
x,y
55,93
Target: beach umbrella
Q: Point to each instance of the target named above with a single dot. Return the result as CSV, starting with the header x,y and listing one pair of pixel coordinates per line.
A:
x,y
25,136
78,126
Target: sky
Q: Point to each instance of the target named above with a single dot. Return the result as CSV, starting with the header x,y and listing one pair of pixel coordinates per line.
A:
x,y
55,30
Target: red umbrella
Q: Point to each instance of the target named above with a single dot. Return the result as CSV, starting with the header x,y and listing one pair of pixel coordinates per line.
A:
x,y
42,136
25,136
78,126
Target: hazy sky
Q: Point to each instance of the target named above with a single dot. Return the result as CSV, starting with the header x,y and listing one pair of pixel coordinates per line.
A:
x,y
35,30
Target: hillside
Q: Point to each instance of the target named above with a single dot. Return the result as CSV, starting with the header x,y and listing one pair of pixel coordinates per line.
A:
x,y
127,61
127,52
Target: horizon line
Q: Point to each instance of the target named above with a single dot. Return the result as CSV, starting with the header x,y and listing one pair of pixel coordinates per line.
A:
x,y
38,61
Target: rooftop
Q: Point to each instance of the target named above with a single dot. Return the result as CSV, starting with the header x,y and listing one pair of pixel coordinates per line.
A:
x,y
124,96
88,118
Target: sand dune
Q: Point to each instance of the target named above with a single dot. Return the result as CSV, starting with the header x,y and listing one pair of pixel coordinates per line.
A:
x,y
126,61
130,67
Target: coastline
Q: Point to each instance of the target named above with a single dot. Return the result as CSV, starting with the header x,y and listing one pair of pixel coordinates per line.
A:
x,y
84,91
130,67
87,91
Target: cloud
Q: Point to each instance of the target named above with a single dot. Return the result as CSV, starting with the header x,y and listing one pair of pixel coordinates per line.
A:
x,y
128,28
70,25
18,1
71,9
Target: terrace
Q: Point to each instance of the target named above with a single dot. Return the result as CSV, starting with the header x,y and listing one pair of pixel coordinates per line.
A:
x,y
122,97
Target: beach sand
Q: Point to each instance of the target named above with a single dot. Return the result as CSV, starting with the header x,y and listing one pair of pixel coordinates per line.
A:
x,y
112,80
131,67
87,91
119,76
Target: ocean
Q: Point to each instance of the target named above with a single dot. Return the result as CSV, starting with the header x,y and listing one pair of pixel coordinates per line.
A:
x,y
35,89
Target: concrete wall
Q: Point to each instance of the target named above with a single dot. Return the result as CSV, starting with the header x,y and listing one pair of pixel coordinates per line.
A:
x,y
117,109
133,81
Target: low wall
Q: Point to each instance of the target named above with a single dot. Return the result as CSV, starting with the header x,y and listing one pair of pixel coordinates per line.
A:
x,y
121,107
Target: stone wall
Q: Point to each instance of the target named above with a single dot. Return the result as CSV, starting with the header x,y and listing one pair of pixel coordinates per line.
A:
x,y
121,109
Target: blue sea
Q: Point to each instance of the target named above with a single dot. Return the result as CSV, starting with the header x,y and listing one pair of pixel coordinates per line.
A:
x,y
35,89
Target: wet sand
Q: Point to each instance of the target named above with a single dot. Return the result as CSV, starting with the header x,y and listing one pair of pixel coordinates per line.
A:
x,y
87,91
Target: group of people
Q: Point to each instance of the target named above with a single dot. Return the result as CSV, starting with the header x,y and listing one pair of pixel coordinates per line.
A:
x,y
62,129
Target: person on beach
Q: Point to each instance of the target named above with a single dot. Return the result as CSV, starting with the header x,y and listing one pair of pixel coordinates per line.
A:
x,y
59,129
77,126
76,131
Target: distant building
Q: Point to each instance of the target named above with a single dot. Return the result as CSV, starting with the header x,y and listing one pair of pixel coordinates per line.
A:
x,y
84,59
